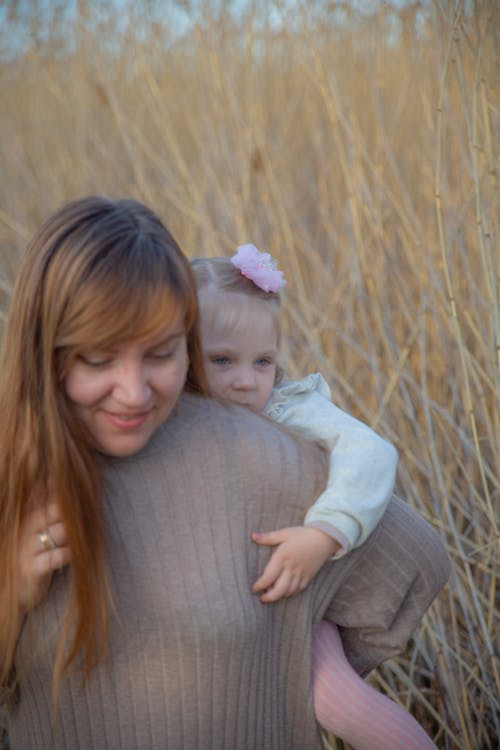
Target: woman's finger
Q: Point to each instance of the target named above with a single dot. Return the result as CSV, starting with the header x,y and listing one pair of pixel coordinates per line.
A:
x,y
51,560
51,537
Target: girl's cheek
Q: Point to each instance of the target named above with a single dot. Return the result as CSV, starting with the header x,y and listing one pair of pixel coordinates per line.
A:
x,y
216,381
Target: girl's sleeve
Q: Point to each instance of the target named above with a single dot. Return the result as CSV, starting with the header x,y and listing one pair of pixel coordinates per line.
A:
x,y
362,464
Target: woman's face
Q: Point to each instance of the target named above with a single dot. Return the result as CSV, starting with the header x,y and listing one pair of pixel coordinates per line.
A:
x,y
123,394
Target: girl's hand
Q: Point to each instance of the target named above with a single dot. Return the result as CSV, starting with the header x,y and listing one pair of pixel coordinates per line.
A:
x,y
300,552
42,549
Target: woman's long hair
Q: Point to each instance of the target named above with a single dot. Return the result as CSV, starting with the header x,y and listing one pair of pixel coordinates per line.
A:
x,y
97,273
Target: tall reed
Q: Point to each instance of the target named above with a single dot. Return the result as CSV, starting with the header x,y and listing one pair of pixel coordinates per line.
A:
x,y
362,151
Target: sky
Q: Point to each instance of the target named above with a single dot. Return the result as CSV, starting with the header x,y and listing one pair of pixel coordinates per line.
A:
x,y
22,20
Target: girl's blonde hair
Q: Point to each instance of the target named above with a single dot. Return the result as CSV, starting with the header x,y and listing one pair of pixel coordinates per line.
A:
x,y
97,273
219,274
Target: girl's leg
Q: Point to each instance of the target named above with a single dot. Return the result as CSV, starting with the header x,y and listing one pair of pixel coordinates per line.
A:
x,y
351,709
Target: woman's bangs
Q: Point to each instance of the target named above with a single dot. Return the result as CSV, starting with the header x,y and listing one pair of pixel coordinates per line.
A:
x,y
145,318
140,316
109,316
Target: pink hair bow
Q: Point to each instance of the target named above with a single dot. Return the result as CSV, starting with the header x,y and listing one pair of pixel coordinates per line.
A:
x,y
259,268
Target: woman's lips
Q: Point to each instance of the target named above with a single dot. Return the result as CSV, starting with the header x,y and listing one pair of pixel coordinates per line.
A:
x,y
127,421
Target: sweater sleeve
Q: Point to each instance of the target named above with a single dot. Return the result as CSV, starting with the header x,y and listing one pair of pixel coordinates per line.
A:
x,y
362,465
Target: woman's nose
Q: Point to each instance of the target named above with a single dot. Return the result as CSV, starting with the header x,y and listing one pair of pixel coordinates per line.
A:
x,y
132,388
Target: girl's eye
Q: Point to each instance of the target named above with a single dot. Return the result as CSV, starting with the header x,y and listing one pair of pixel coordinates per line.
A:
x,y
221,361
263,362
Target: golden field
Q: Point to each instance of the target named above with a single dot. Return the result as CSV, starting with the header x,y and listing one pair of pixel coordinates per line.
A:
x,y
361,150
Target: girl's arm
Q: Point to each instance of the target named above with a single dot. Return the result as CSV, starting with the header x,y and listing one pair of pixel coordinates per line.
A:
x,y
362,464
301,551
360,484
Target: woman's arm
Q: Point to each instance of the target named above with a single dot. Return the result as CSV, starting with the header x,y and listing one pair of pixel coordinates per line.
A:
x,y
43,549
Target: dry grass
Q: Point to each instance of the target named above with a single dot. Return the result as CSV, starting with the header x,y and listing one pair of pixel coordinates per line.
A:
x,y
364,157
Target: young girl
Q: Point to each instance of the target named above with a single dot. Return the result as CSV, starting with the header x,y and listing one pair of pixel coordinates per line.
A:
x,y
240,331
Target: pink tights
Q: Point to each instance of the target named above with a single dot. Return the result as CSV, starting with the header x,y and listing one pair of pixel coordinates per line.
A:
x,y
351,709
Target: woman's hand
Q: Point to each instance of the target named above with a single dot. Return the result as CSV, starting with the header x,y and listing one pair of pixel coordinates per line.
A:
x,y
42,550
300,552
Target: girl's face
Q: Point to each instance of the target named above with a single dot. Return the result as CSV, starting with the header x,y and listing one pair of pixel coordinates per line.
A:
x,y
240,359
123,394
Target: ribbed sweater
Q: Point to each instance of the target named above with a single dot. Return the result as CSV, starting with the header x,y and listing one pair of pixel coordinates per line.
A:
x,y
195,660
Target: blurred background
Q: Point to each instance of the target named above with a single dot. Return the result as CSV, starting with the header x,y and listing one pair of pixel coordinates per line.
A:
x,y
358,143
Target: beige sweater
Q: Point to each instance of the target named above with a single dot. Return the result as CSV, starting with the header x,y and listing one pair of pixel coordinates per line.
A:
x,y
195,660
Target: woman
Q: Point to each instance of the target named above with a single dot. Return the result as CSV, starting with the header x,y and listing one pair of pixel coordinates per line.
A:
x,y
151,637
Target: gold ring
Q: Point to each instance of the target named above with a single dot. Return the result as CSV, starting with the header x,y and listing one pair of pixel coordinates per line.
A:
x,y
47,540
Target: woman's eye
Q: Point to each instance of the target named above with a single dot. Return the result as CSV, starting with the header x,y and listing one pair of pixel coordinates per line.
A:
x,y
162,355
167,349
95,359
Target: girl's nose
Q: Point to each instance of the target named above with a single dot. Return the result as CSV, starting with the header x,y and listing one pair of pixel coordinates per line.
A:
x,y
245,379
